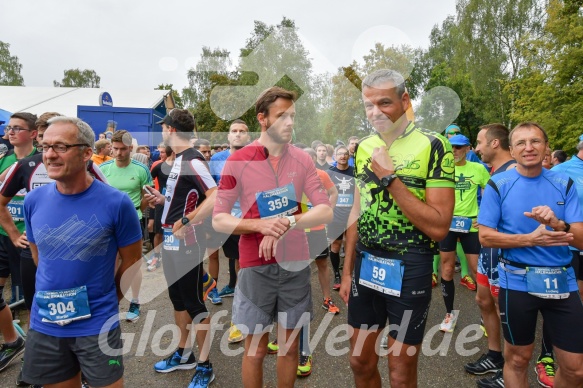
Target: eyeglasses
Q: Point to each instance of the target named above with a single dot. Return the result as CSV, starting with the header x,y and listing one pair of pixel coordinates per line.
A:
x,y
16,130
342,154
533,143
59,148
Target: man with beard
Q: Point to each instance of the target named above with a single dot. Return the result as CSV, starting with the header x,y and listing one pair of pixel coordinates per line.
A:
x,y
268,177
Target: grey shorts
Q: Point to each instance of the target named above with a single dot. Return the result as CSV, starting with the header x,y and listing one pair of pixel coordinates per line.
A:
x,y
51,360
269,292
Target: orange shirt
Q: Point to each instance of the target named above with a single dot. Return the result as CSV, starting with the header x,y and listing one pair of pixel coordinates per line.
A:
x,y
98,159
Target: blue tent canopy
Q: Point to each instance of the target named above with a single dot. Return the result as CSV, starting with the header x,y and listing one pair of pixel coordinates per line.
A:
x,y
4,118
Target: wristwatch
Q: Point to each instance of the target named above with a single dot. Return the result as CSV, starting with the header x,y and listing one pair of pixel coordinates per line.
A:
x,y
387,180
185,221
292,221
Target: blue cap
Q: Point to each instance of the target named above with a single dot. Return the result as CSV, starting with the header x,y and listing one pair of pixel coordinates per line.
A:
x,y
581,138
459,140
452,128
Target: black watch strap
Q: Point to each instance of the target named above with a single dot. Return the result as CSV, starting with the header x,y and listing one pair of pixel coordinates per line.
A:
x,y
185,220
387,180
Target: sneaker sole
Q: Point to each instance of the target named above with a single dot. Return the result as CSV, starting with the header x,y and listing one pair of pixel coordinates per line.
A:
x,y
482,373
216,302
227,295
132,319
235,340
16,355
178,367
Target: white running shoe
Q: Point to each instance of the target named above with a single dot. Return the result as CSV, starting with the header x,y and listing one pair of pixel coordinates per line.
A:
x,y
449,322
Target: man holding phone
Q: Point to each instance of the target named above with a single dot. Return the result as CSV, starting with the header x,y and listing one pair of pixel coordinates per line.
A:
x,y
130,176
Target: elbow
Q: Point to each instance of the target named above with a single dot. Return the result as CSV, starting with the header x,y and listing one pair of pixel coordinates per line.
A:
x,y
217,223
440,234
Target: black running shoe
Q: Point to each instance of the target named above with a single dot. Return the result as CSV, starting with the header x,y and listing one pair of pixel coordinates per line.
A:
x,y
497,381
485,364
9,352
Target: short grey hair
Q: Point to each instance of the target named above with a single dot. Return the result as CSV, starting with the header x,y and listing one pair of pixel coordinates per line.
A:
x,y
85,134
580,146
382,76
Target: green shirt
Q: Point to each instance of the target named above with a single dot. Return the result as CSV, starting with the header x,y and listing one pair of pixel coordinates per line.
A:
x,y
467,180
129,179
6,162
422,159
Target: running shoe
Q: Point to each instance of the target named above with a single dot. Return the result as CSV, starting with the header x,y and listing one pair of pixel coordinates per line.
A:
x,y
448,323
202,377
154,264
174,362
468,282
272,347
496,381
235,335
227,291
485,364
208,286
545,372
214,297
433,280
458,266
9,352
337,282
304,366
133,313
330,306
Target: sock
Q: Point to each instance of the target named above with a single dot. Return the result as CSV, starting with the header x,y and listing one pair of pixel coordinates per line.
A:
x,y
206,364
232,273
180,351
463,261
546,343
448,292
335,260
151,237
205,277
494,355
436,260
135,300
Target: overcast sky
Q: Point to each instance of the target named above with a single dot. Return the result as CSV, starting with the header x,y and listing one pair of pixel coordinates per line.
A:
x,y
140,44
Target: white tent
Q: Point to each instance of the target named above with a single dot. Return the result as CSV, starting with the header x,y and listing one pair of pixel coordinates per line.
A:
x,y
65,100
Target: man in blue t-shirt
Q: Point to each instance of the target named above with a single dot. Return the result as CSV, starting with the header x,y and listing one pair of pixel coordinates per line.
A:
x,y
533,215
74,320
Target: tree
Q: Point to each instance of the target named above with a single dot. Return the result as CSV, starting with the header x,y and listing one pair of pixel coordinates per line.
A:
x,y
10,67
175,94
75,78
550,91
272,56
347,111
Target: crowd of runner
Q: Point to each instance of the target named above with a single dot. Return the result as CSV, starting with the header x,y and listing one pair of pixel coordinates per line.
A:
x,y
406,207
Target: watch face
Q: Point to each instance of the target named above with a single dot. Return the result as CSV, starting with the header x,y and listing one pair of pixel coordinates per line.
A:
x,y
385,182
185,220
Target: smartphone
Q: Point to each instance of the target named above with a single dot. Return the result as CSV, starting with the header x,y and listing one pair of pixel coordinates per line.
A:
x,y
147,189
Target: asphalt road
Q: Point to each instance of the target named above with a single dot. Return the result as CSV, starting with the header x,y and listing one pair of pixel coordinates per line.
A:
x,y
154,336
